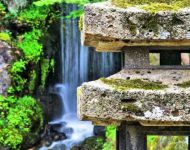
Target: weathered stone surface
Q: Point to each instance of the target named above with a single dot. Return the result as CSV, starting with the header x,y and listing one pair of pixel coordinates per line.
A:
x,y
105,103
5,60
15,5
110,28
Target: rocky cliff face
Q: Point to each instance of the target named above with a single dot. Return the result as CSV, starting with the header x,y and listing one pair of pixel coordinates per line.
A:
x,y
5,60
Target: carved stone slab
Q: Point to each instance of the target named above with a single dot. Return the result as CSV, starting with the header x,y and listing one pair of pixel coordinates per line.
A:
x,y
109,28
150,97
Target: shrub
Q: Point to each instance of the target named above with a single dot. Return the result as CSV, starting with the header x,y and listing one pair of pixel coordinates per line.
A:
x,y
17,118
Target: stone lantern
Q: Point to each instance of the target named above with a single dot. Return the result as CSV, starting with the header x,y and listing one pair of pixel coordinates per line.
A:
x,y
143,98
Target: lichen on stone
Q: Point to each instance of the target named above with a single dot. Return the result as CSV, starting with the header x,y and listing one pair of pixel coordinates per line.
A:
x,y
151,24
121,84
80,23
132,27
131,108
5,37
153,5
185,84
79,92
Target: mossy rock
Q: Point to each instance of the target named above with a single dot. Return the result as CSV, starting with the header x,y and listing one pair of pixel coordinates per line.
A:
x,y
184,84
153,5
91,143
131,108
5,37
121,84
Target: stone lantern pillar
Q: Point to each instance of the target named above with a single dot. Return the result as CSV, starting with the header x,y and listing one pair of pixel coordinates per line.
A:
x,y
142,99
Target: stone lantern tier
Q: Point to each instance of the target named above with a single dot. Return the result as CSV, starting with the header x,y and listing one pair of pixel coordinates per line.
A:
x,y
110,28
140,93
150,97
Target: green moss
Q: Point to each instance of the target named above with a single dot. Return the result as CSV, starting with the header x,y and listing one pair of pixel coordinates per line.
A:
x,y
166,142
91,143
121,84
32,82
151,23
132,27
17,120
2,9
4,36
110,143
79,92
45,66
176,20
30,45
131,108
153,5
184,84
17,71
80,23
34,16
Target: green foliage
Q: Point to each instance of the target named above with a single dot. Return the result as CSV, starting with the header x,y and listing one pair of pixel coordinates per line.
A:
x,y
16,72
110,138
32,51
52,64
34,16
45,66
51,2
17,118
30,45
47,2
167,143
75,14
32,81
18,67
5,36
2,9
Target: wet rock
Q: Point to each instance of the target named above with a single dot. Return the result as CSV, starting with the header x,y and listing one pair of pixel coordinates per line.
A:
x,y
53,137
5,59
67,130
92,143
15,5
99,131
4,148
57,127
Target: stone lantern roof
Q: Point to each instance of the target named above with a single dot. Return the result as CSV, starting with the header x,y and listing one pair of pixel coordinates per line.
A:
x,y
109,28
151,96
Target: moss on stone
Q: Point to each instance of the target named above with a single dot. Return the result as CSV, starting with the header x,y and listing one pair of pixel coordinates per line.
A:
x,y
151,24
131,108
176,20
153,5
80,23
79,92
184,84
121,84
5,37
132,27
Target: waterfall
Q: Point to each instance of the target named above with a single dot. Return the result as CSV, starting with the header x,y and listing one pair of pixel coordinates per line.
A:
x,y
78,64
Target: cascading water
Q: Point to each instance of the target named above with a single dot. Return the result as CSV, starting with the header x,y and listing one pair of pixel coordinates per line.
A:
x,y
78,64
